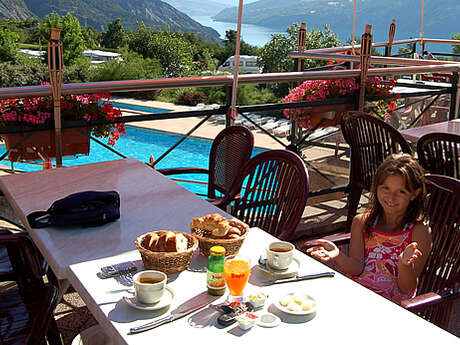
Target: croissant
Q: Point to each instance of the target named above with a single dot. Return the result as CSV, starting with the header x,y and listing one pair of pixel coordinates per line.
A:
x,y
218,226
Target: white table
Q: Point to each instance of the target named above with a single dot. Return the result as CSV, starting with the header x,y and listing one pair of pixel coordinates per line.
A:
x,y
414,134
347,313
149,201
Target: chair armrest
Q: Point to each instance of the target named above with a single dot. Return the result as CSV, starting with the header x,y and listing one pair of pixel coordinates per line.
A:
x,y
337,239
181,171
431,298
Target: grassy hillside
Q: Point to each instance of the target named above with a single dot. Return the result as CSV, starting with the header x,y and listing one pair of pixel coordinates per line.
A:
x,y
98,13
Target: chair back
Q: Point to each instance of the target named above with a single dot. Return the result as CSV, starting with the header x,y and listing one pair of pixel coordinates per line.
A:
x,y
442,269
33,304
275,192
371,140
230,151
439,153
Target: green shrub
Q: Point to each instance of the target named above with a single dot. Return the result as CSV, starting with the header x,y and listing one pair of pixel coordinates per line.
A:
x,y
26,72
132,67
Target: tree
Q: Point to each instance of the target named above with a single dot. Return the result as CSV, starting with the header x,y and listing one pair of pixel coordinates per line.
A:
x,y
8,45
274,55
115,36
71,36
92,37
455,48
230,46
173,51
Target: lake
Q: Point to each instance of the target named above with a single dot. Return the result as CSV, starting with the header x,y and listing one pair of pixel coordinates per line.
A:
x,y
252,34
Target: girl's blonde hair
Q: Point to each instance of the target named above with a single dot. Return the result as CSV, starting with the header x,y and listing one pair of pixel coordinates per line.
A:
x,y
414,178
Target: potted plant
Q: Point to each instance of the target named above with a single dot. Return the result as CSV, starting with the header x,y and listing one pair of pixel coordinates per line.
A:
x,y
38,112
378,96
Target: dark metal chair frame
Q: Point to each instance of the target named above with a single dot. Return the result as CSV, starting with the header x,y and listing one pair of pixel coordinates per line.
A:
x,y
439,153
26,314
275,193
230,151
371,140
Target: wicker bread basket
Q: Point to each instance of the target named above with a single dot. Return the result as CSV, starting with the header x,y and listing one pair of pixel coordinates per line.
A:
x,y
167,262
231,245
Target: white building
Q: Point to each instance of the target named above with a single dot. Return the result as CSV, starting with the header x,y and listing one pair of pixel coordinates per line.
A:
x,y
99,56
95,56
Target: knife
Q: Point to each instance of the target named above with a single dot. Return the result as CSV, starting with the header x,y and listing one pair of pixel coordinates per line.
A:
x,y
299,278
166,319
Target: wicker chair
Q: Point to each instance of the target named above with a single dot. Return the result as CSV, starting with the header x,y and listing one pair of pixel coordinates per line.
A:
x,y
230,150
371,140
26,314
274,195
439,153
438,284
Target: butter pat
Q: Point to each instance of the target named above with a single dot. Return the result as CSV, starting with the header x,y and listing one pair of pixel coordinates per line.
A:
x,y
257,300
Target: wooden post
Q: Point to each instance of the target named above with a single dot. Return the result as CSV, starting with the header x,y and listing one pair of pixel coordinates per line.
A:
x,y
391,36
366,44
301,42
55,70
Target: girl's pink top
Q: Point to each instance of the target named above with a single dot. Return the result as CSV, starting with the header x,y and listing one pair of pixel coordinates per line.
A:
x,y
381,255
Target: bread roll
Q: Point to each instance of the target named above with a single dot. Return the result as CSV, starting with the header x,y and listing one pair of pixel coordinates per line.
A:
x,y
165,241
181,243
169,242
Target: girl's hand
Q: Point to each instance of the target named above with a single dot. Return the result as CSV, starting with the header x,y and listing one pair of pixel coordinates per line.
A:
x,y
323,250
410,254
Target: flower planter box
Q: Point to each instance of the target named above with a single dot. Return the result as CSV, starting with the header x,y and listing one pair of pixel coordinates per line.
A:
x,y
74,141
328,115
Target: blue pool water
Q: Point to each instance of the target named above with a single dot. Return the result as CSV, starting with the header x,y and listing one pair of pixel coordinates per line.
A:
x,y
141,143
138,108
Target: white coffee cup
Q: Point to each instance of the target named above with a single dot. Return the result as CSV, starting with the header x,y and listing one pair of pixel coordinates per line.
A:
x,y
280,255
149,286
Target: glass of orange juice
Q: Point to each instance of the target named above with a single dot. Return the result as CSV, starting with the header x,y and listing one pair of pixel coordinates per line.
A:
x,y
236,275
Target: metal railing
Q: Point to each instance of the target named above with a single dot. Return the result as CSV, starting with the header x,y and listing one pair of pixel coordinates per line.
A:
x,y
422,66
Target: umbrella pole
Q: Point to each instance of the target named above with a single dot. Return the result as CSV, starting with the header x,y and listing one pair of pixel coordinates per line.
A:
x,y
236,65
366,43
55,70
353,38
422,44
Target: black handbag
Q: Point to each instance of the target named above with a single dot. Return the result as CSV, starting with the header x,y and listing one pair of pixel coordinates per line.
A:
x,y
88,208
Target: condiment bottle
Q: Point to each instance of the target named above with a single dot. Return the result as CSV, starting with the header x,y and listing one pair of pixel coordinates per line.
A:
x,y
215,271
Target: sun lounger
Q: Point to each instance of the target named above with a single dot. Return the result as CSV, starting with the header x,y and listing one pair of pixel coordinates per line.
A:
x,y
282,131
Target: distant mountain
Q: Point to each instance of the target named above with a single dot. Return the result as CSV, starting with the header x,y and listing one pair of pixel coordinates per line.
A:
x,y
99,13
197,7
15,9
441,17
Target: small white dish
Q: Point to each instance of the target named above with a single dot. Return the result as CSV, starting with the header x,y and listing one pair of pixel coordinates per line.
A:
x,y
165,301
290,296
289,272
268,320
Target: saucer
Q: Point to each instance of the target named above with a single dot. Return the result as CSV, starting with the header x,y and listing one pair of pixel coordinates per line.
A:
x,y
298,310
289,272
165,301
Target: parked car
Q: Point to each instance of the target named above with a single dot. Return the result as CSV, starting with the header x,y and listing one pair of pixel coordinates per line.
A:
x,y
248,64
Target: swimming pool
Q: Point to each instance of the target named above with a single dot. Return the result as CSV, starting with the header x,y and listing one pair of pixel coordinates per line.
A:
x,y
127,106
140,143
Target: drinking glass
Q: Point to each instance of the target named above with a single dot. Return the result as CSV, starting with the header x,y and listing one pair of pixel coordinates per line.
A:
x,y
236,275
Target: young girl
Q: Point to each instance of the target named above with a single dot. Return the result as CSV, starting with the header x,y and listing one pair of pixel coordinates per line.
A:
x,y
390,243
